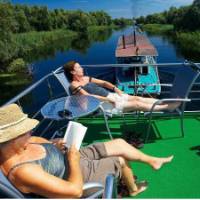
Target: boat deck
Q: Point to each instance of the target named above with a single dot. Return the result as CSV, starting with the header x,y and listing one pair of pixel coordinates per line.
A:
x,y
127,48
180,179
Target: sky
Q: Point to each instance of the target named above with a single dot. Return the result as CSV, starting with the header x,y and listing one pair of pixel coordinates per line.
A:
x,y
115,8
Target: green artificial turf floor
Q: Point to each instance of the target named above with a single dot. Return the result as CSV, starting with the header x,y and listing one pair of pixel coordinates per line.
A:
x,y
180,178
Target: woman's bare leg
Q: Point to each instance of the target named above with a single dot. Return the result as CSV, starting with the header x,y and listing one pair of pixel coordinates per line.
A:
x,y
119,147
136,105
141,106
128,178
142,99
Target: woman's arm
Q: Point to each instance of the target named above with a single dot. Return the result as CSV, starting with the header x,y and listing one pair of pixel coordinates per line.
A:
x,y
75,175
46,185
58,142
83,92
107,84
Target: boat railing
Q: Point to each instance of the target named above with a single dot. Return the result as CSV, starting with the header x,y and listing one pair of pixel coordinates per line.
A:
x,y
141,65
51,95
28,90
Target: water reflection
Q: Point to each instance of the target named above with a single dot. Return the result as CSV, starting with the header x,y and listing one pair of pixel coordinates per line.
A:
x,y
84,41
80,43
100,36
96,47
181,49
49,51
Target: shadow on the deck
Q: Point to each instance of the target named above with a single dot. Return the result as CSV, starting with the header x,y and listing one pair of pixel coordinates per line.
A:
x,y
176,180
196,148
118,130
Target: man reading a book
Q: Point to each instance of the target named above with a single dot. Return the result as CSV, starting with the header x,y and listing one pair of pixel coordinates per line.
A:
x,y
36,166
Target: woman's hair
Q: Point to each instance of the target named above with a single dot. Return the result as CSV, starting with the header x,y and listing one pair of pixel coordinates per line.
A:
x,y
68,67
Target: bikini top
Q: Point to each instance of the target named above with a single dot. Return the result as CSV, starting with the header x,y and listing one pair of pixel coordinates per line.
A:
x,y
92,88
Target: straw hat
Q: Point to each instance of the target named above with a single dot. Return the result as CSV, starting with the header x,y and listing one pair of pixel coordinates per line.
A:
x,y
13,122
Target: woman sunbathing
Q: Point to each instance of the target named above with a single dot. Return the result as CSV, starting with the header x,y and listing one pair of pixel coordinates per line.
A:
x,y
106,91
35,165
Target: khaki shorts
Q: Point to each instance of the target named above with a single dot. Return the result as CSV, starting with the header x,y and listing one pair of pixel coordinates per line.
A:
x,y
95,165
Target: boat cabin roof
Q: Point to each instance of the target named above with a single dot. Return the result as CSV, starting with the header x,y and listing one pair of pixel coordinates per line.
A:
x,y
139,46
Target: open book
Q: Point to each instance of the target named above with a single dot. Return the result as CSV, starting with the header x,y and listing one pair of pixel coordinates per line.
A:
x,y
74,134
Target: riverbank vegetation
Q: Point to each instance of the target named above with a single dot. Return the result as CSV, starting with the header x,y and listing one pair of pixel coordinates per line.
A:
x,y
15,78
182,24
26,29
32,45
12,83
158,28
30,33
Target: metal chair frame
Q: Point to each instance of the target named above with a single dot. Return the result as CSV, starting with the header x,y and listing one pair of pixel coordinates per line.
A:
x,y
9,191
59,74
183,100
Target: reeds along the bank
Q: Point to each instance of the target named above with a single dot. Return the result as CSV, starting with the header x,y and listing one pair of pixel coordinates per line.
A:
x,y
189,44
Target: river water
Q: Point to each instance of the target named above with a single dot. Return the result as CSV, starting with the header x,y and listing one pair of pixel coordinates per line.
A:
x,y
98,48
103,52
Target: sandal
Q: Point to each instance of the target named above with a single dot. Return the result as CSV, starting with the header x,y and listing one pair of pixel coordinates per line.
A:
x,y
142,183
137,143
122,188
142,186
134,139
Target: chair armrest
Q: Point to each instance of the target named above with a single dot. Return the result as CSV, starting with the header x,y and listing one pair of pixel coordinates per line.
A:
x,y
7,189
165,84
92,190
97,190
154,84
171,100
90,185
161,101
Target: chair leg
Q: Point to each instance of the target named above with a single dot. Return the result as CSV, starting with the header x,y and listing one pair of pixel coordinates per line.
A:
x,y
106,122
124,120
148,129
138,116
182,125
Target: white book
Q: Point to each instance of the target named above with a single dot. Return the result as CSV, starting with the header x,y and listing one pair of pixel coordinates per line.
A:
x,y
74,134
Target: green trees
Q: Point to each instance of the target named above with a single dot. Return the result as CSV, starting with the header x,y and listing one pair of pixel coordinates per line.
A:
x,y
189,19
101,18
186,18
196,3
7,26
25,18
78,21
122,22
20,24
183,26
39,18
